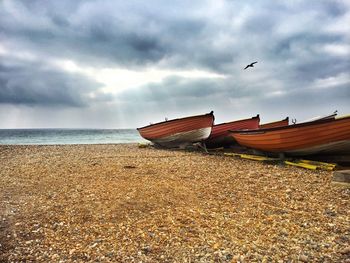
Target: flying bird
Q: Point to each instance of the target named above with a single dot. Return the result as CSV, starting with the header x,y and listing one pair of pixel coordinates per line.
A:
x,y
251,65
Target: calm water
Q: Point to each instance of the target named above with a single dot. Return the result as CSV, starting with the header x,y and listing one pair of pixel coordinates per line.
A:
x,y
69,136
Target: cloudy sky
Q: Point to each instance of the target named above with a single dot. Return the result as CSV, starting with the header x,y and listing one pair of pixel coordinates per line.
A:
x,y
124,64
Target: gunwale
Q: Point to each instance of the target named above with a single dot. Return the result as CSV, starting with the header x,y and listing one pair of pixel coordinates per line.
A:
x,y
173,120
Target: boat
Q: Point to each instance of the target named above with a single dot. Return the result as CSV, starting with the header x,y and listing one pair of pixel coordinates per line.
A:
x,y
325,136
274,124
317,118
179,132
220,135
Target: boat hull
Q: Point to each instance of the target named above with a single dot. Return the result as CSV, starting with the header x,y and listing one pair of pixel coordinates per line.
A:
x,y
182,139
340,147
179,132
221,136
331,136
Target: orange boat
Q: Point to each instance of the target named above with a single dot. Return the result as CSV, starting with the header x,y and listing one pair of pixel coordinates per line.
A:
x,y
220,135
179,132
274,124
315,137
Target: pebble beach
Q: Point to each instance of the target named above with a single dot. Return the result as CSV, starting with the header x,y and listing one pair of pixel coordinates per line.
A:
x,y
122,203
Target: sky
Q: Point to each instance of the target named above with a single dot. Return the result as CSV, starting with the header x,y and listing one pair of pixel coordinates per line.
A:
x,y
125,64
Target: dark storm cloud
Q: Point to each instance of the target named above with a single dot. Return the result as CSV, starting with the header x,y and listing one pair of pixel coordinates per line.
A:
x,y
172,88
98,34
304,103
296,43
320,68
136,33
34,84
180,90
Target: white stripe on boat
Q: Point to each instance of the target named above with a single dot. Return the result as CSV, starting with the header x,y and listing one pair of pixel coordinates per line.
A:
x,y
184,138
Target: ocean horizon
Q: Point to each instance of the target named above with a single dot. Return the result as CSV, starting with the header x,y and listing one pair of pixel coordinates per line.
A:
x,y
55,136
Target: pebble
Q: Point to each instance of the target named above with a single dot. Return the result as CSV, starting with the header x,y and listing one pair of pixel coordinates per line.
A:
x,y
345,250
303,258
186,200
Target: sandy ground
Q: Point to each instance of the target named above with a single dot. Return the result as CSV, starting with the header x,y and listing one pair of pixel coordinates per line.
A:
x,y
121,203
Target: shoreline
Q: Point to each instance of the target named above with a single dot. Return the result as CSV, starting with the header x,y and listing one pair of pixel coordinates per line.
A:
x,y
118,202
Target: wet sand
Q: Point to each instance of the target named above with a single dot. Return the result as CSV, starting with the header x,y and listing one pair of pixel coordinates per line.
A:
x,y
121,203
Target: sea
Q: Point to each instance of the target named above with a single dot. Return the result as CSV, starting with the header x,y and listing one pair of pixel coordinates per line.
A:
x,y
68,136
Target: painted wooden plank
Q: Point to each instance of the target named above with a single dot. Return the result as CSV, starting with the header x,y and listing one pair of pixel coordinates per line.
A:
x,y
320,165
303,165
251,157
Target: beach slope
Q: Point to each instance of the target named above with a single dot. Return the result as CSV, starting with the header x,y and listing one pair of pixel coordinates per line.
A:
x,y
121,203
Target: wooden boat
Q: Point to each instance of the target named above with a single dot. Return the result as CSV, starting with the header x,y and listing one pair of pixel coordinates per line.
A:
x,y
220,135
274,124
179,132
316,137
325,117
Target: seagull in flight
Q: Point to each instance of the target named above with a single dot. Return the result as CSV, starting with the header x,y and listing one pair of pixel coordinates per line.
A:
x,y
251,65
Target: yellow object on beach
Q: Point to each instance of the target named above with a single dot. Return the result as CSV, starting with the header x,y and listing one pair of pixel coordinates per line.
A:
x,y
233,154
251,157
307,164
255,157
321,165
143,145
303,165
312,165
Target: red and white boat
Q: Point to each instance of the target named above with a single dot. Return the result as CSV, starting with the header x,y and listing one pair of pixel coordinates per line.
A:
x,y
330,135
179,132
220,135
